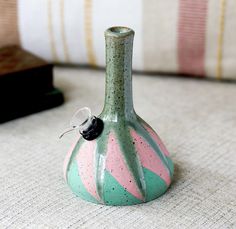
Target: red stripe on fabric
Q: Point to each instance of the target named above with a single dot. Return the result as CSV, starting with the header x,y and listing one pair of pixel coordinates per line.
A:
x,y
191,36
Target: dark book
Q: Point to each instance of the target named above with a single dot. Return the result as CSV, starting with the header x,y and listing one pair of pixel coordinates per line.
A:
x,y
26,84
16,107
23,73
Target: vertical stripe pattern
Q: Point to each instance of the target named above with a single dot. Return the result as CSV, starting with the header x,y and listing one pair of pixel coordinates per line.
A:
x,y
191,36
88,32
107,13
184,36
159,35
8,23
63,35
51,32
220,39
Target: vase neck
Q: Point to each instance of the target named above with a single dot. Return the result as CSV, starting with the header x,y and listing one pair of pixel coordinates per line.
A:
x,y
119,98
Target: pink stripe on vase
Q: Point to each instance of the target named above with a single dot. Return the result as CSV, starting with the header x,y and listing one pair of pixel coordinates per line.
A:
x,y
158,141
149,158
191,36
86,166
117,167
67,158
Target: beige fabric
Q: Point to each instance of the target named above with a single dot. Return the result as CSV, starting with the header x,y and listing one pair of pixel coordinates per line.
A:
x,y
8,23
195,118
160,35
194,37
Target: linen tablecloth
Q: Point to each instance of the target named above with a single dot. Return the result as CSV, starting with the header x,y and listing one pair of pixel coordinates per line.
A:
x,y
196,120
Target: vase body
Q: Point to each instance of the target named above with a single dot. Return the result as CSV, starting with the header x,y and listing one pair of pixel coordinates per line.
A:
x,y
127,163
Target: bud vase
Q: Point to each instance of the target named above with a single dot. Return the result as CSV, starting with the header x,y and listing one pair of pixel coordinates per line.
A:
x,y
127,163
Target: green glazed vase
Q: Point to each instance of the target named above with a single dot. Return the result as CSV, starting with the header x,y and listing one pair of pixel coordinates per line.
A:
x,y
127,163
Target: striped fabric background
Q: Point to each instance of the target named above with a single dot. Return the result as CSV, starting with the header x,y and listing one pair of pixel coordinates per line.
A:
x,y
195,37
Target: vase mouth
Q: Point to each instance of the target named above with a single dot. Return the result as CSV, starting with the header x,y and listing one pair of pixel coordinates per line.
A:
x,y
118,32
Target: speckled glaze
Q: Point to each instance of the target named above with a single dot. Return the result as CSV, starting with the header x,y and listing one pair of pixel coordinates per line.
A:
x,y
128,163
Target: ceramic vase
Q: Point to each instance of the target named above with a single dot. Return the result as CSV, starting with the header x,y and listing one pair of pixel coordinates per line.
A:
x,y
127,163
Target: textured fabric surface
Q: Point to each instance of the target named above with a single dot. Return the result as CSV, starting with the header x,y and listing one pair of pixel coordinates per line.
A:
x,y
176,36
9,34
196,120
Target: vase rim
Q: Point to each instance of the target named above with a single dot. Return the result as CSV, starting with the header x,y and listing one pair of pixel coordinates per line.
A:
x,y
119,32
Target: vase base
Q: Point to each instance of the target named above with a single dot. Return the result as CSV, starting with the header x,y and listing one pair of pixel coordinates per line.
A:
x,y
113,193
